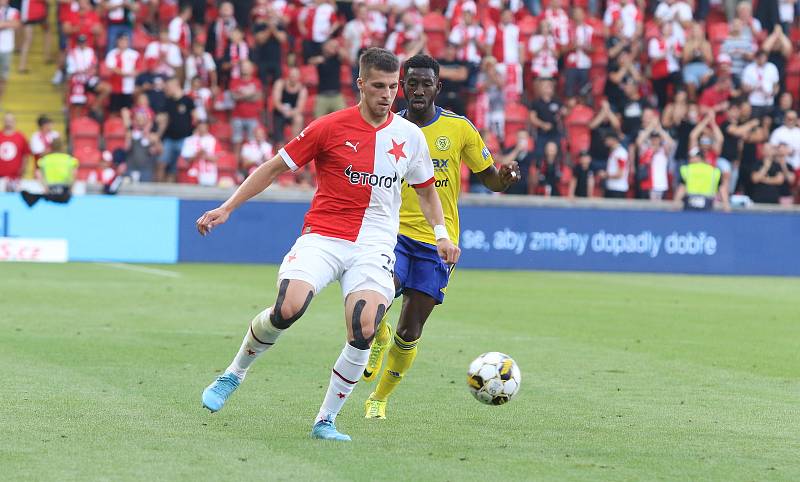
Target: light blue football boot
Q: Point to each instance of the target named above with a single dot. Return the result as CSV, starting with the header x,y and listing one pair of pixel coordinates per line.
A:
x,y
326,430
215,395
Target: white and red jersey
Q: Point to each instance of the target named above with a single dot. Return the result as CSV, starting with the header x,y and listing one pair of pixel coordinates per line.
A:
x,y
7,14
41,142
203,172
13,150
320,22
630,15
559,24
199,146
222,29
202,101
199,66
397,39
33,10
256,153
359,172
580,40
236,54
126,61
664,56
115,11
376,19
163,57
180,33
617,162
468,38
544,56
81,63
504,41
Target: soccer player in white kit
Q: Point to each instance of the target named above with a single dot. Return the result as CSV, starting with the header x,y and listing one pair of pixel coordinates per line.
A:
x,y
362,155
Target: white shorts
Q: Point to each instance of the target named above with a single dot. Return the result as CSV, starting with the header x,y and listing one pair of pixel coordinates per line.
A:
x,y
318,260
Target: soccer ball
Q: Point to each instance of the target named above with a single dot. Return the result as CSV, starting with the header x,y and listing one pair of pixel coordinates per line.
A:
x,y
493,378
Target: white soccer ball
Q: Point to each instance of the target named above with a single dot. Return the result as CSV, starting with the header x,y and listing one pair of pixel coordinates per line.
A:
x,y
494,378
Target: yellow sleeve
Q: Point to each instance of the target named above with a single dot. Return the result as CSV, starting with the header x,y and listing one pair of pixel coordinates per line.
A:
x,y
475,154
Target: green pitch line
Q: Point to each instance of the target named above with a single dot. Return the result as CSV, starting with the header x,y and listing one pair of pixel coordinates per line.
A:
x,y
625,377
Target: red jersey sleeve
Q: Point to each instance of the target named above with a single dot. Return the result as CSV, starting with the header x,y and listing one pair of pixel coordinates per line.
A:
x,y
304,148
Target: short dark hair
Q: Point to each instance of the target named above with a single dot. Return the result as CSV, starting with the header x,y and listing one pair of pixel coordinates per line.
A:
x,y
379,59
421,61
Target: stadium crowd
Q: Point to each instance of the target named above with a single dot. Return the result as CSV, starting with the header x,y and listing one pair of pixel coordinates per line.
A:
x,y
592,98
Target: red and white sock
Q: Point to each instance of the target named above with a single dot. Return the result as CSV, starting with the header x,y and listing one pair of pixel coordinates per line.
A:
x,y
260,337
346,372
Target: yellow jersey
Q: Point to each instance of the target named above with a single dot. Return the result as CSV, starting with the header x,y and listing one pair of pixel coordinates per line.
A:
x,y
452,139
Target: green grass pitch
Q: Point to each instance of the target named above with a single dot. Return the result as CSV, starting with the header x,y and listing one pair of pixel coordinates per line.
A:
x,y
625,377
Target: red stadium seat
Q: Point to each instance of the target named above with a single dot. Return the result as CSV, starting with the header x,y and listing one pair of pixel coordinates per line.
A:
x,y
87,155
140,39
793,76
434,22
717,32
310,77
527,27
114,133
222,131
84,132
516,119
579,135
226,160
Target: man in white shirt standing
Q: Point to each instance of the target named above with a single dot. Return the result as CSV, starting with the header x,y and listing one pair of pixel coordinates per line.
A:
x,y
200,151
617,168
789,134
761,80
9,23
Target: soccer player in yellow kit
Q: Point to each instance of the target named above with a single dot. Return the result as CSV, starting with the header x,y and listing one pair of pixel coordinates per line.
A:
x,y
420,275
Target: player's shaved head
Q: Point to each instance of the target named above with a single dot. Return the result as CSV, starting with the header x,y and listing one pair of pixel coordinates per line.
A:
x,y
376,58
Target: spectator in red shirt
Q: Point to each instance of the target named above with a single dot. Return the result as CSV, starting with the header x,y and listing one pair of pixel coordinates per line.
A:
x,y
248,96
14,150
83,21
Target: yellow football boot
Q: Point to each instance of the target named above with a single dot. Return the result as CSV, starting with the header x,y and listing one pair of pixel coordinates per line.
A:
x,y
382,341
375,408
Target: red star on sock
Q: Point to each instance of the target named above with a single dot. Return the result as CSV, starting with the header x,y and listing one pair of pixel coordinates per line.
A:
x,y
397,150
251,352
341,395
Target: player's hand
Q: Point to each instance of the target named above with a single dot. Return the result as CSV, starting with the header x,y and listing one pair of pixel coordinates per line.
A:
x,y
509,173
212,218
448,251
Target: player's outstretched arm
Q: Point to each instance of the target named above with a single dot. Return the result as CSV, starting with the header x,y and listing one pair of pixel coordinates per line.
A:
x,y
259,180
431,207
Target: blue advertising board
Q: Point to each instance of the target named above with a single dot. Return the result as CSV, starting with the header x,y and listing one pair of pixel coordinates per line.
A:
x,y
162,230
258,232
541,238
623,240
99,228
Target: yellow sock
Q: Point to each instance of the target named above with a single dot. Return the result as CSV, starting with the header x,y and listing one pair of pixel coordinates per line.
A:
x,y
384,334
398,362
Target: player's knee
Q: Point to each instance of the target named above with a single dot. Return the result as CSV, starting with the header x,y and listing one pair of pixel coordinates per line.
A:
x,y
289,307
410,332
288,312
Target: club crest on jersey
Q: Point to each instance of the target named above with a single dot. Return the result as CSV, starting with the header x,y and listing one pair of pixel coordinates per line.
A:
x,y
442,143
369,178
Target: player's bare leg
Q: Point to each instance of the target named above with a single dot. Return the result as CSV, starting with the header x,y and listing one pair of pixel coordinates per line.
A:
x,y
363,311
293,299
416,309
383,338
